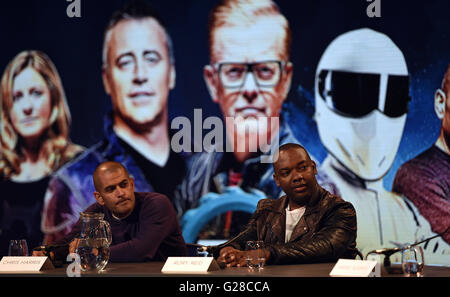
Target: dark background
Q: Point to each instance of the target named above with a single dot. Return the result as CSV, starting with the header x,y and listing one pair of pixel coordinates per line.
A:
x,y
419,28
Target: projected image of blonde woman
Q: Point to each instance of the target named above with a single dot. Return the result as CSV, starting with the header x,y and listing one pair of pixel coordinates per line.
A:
x,y
34,141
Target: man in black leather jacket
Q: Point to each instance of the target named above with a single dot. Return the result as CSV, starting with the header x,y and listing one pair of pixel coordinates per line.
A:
x,y
307,225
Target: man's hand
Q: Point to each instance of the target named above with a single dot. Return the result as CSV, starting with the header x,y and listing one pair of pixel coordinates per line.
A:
x,y
39,254
232,257
43,254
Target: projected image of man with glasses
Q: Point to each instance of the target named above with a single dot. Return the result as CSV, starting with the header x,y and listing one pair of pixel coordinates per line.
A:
x,y
249,74
266,74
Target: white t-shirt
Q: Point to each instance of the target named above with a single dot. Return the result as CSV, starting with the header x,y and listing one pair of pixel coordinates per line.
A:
x,y
292,218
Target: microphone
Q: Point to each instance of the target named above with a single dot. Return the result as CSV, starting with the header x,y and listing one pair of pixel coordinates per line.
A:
x,y
387,252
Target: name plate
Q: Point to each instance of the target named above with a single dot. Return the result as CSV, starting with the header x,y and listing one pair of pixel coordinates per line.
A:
x,y
356,268
189,264
25,264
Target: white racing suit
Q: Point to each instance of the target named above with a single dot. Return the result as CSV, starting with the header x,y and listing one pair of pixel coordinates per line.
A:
x,y
384,219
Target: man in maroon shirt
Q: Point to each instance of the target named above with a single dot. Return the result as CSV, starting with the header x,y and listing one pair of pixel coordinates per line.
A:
x,y
144,226
425,179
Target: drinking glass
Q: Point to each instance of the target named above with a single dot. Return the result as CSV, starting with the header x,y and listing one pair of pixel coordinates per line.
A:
x,y
254,255
412,261
18,248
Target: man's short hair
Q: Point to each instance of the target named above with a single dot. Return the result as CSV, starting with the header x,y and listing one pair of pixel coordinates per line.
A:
x,y
234,13
135,10
110,166
286,147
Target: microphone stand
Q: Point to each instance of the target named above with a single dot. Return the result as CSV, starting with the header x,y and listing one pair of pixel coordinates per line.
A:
x,y
388,252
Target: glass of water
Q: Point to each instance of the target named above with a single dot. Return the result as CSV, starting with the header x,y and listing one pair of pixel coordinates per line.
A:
x,y
412,261
18,248
255,256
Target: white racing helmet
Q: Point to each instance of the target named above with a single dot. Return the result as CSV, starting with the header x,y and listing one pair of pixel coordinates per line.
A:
x,y
361,96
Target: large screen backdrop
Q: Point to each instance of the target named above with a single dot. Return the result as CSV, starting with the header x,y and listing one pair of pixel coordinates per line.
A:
x,y
360,85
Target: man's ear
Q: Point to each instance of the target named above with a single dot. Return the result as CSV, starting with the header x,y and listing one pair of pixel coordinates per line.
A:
x,y
439,103
210,77
132,183
314,167
105,78
99,198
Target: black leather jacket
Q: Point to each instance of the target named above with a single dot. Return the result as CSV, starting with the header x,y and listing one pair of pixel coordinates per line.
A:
x,y
325,233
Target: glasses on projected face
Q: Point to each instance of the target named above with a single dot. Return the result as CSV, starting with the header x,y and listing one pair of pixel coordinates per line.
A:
x,y
357,94
266,73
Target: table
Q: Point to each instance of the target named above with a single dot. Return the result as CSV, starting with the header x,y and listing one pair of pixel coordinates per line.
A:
x,y
153,269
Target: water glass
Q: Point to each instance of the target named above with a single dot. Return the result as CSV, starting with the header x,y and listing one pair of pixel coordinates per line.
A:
x,y
412,261
18,248
255,256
